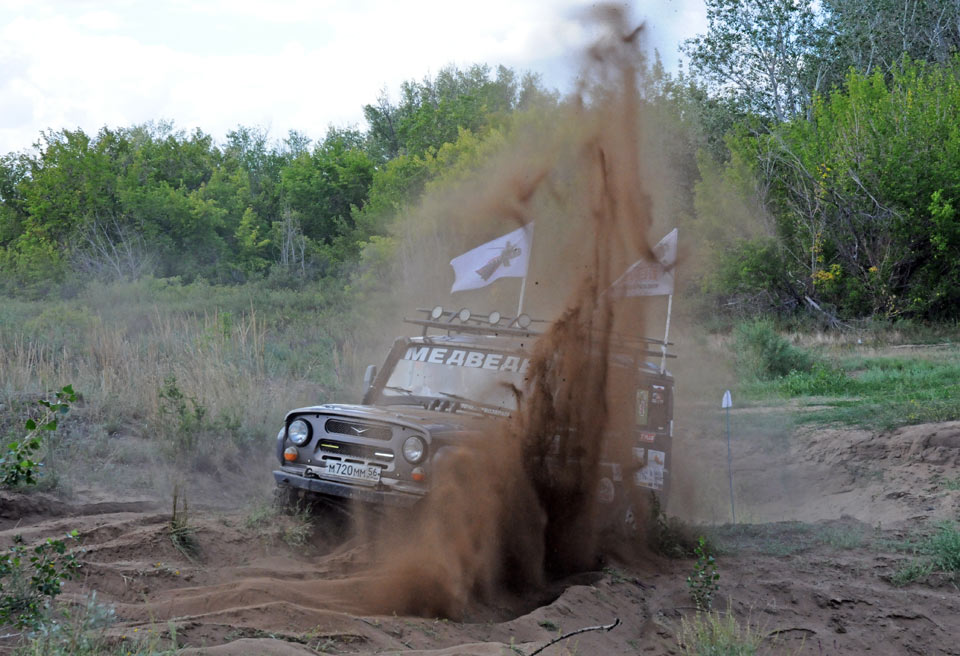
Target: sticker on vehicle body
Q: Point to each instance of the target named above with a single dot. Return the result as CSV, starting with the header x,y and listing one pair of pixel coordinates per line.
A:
x,y
652,474
643,408
450,357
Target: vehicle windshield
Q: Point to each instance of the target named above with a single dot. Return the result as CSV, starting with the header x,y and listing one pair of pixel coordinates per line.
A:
x,y
457,373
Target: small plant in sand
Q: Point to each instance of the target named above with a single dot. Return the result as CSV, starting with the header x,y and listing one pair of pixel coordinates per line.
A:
x,y
939,553
944,546
17,464
714,634
179,529
952,484
703,582
31,577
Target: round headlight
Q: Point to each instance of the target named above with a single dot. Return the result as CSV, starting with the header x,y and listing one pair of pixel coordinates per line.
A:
x,y
298,432
414,449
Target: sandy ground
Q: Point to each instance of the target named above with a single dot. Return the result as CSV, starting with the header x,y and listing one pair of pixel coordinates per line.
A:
x,y
817,587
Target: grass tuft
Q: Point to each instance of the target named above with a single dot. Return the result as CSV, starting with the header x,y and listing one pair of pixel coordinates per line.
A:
x,y
182,535
939,552
944,548
717,634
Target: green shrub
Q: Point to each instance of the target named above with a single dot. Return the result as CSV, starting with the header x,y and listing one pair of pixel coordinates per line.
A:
x,y
180,424
764,355
703,582
17,464
31,577
83,629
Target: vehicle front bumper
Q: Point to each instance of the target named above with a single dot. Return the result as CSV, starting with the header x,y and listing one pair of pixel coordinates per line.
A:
x,y
374,495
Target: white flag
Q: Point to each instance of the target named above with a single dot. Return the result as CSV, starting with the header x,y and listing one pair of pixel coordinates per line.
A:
x,y
504,257
646,278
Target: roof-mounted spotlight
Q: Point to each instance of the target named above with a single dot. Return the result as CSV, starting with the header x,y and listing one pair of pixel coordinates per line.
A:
x,y
494,318
464,315
523,321
436,312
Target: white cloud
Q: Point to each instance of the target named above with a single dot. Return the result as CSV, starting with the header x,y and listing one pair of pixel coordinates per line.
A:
x,y
100,20
289,64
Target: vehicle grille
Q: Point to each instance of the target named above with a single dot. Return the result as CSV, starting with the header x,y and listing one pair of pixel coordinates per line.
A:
x,y
356,429
346,450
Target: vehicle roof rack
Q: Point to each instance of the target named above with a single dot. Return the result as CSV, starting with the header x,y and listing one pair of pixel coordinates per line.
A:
x,y
465,321
496,324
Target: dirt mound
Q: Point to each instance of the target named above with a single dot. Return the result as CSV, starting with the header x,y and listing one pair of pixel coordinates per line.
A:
x,y
814,588
23,509
816,474
243,594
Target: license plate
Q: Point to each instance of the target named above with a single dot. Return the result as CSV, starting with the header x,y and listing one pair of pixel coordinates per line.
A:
x,y
353,471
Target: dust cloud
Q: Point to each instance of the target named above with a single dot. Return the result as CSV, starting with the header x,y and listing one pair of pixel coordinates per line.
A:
x,y
521,507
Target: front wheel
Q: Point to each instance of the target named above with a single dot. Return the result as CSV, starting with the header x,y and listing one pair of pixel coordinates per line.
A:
x,y
288,500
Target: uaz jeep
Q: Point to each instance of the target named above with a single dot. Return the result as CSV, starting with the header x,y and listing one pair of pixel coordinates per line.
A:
x,y
436,391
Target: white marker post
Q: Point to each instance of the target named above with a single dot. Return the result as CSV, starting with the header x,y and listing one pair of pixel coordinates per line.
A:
x,y
726,404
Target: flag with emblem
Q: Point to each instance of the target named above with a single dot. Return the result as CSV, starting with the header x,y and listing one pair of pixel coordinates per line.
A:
x,y
504,257
646,278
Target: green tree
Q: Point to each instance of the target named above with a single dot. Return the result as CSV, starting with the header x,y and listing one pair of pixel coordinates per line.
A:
x,y
862,196
323,186
759,53
872,35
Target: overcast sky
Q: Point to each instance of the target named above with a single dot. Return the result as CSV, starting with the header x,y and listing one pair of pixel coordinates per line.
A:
x,y
279,64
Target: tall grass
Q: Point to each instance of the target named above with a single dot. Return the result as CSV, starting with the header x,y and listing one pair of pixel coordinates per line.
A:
x,y
243,354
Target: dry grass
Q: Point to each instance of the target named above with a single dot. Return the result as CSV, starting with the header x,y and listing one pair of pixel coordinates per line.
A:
x,y
119,373
121,347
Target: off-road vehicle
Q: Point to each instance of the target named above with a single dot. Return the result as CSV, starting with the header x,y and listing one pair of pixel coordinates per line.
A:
x,y
439,390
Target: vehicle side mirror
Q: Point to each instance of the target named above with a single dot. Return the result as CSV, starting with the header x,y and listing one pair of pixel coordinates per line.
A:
x,y
368,377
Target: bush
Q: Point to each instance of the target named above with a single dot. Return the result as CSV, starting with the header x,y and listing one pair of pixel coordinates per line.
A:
x,y
17,464
84,629
703,582
763,354
30,577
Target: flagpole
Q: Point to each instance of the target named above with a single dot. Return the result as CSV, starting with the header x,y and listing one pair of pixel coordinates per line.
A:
x,y
666,336
523,285
523,289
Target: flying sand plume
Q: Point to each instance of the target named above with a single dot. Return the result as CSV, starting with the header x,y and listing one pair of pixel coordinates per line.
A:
x,y
521,505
